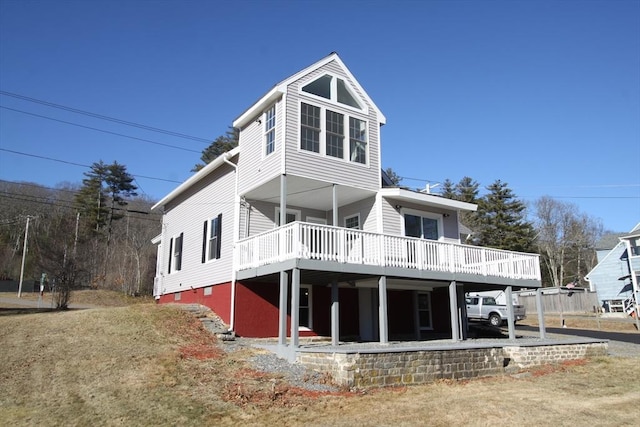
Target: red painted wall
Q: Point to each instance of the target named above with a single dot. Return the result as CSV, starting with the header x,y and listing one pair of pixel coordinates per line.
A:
x,y
219,301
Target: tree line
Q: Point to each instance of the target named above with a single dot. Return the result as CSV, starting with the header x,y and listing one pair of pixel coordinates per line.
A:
x,y
97,234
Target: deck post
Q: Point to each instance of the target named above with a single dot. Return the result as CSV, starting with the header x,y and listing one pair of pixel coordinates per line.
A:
x,y
543,332
453,309
335,313
295,308
510,319
282,309
382,310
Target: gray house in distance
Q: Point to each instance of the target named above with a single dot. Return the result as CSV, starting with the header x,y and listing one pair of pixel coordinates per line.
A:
x,y
616,275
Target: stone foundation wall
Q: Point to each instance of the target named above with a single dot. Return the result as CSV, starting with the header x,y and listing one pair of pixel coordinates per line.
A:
x,y
526,357
423,366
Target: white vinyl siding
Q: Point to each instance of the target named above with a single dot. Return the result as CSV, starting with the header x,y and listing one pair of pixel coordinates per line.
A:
x,y
254,166
186,214
322,167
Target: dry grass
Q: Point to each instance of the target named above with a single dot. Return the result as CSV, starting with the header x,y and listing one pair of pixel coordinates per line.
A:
x,y
154,365
583,321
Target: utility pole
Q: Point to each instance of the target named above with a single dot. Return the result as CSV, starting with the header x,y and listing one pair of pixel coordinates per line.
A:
x,y
24,256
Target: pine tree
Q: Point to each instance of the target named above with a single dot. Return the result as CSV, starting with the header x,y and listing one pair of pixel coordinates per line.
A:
x,y
100,202
220,145
502,221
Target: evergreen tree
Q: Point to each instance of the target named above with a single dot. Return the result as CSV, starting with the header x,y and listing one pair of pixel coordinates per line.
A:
x,y
501,217
100,201
393,176
220,145
448,190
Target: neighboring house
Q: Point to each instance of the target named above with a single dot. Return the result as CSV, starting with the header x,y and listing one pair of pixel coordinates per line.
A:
x,y
298,226
616,275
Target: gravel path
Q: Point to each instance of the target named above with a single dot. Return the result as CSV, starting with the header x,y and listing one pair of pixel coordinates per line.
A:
x,y
293,373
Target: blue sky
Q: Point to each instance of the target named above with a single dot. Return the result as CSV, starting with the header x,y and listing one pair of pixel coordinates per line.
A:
x,y
544,95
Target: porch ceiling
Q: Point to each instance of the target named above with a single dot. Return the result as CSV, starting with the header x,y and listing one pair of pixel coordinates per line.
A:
x,y
308,193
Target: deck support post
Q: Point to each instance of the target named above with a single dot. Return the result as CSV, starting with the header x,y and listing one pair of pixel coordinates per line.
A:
x,y
282,309
511,321
382,310
453,309
543,332
335,313
295,308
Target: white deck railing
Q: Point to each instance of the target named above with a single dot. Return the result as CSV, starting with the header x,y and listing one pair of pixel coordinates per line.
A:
x,y
321,242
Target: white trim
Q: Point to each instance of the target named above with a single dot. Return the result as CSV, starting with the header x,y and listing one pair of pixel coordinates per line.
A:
x,y
310,307
316,220
274,129
422,214
400,194
322,138
356,215
364,110
296,212
420,327
202,173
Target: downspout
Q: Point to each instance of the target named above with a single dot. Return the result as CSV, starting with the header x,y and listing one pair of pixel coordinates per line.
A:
x,y
236,232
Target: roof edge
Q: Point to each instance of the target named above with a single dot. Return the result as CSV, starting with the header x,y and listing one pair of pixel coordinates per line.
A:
x,y
202,173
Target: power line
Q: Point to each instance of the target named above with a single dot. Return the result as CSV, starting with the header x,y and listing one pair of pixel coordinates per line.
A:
x,y
15,196
81,165
102,130
103,117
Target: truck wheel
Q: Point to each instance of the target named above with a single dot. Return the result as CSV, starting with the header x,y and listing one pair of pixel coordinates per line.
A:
x,y
495,320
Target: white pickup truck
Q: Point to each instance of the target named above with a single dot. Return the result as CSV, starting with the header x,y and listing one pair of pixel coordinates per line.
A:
x,y
486,308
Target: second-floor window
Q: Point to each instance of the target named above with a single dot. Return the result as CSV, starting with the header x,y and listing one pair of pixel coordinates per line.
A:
x,y
270,130
322,124
310,128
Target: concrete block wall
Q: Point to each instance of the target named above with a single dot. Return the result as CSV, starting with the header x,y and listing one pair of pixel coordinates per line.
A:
x,y
381,369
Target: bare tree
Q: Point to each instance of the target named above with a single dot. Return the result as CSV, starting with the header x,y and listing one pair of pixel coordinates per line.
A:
x,y
566,239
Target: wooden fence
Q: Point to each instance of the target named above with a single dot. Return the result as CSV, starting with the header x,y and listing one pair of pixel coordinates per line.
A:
x,y
561,301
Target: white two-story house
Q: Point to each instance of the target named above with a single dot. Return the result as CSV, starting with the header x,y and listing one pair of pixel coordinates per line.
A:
x,y
293,232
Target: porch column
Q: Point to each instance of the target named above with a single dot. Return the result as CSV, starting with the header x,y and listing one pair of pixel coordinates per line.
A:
x,y
282,309
335,205
335,314
295,308
543,332
464,327
510,320
283,200
453,308
382,310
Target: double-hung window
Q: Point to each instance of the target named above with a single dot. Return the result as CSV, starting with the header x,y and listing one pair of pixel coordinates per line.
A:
x,y
175,253
270,130
335,134
310,128
211,238
357,140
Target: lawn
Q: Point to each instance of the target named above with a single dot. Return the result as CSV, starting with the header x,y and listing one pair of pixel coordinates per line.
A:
x,y
145,364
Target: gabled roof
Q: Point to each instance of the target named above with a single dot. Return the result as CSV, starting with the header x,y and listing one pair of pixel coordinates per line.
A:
x,y
215,164
279,89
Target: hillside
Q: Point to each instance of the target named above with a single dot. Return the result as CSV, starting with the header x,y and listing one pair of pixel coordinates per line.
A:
x,y
145,364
